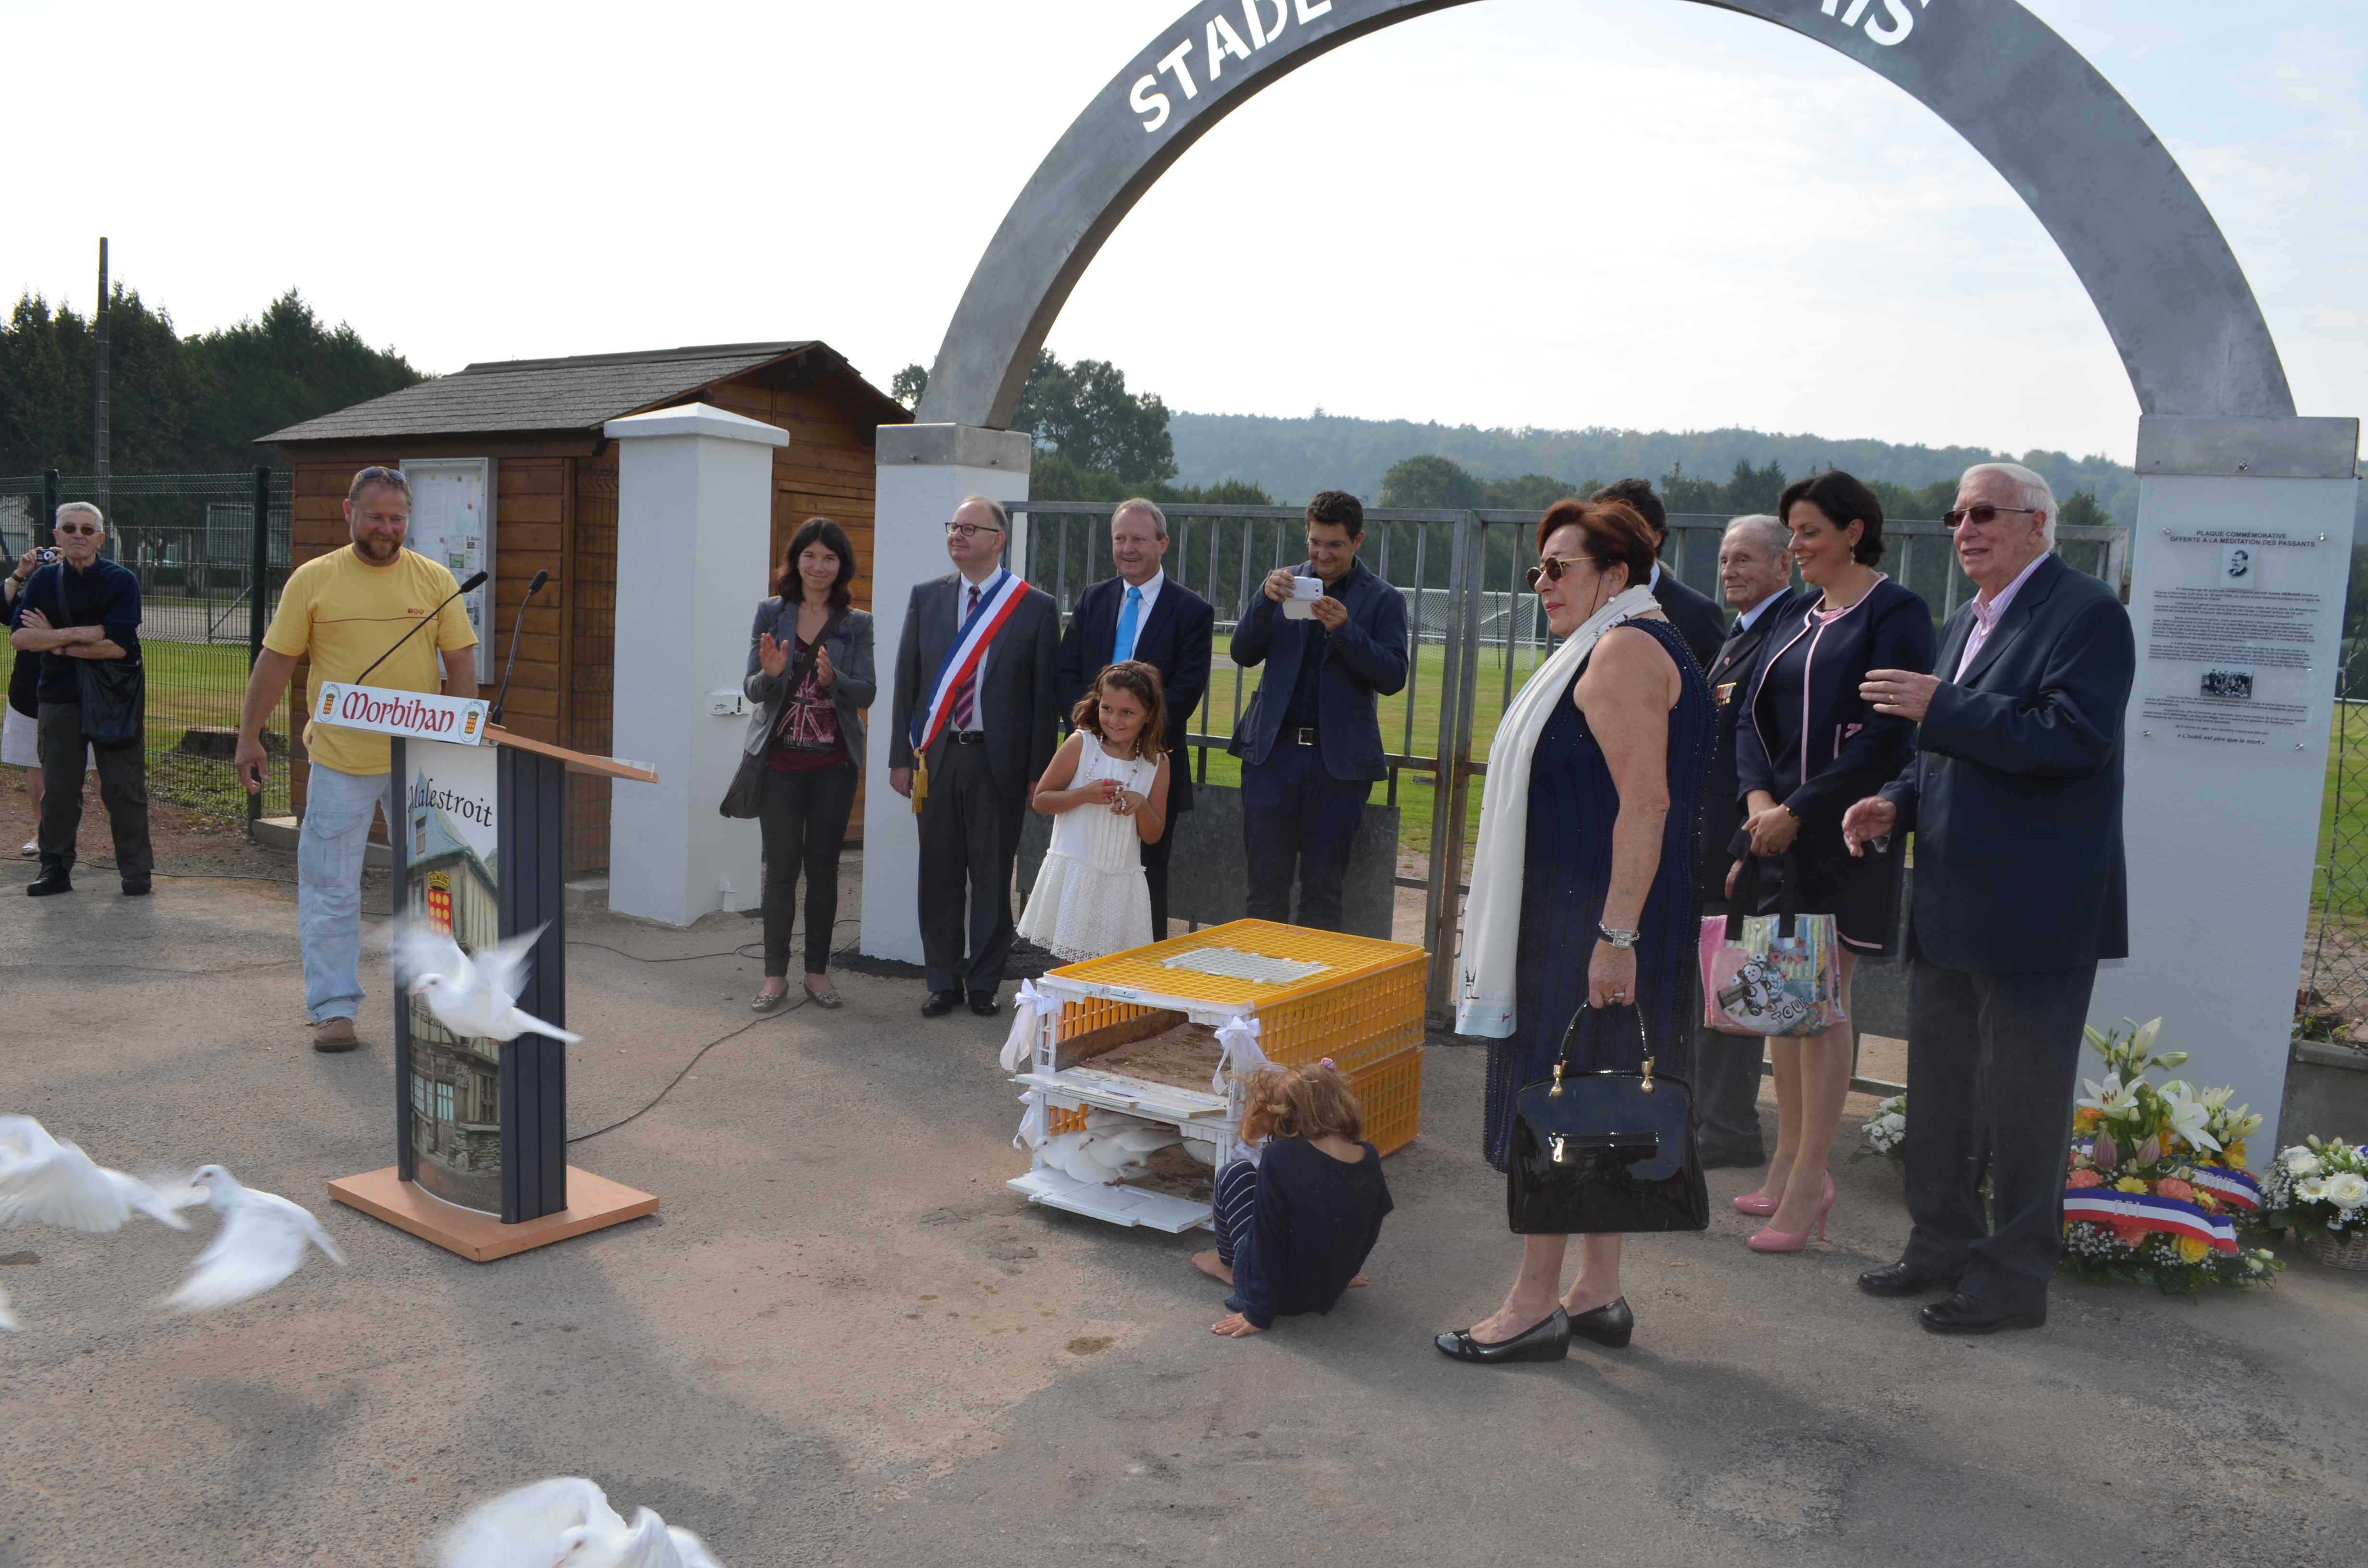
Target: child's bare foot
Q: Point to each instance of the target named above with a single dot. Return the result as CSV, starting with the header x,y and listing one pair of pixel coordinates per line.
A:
x,y
1208,1263
1357,1280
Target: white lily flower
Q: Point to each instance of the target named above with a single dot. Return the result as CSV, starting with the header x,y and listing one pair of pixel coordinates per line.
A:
x,y
2112,1099
2188,1121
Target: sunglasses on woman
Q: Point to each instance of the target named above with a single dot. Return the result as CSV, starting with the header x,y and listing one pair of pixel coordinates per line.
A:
x,y
1981,516
1551,569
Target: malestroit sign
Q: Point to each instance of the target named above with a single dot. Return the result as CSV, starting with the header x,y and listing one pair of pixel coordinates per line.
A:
x,y
415,715
2161,275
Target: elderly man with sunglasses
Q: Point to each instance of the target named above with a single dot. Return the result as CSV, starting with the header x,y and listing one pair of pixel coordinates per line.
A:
x,y
2015,799
79,609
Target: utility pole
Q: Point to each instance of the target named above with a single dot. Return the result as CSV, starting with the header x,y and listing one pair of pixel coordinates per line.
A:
x,y
99,430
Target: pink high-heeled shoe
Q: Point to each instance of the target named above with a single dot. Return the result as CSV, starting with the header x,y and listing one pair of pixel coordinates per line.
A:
x,y
1768,1238
1757,1204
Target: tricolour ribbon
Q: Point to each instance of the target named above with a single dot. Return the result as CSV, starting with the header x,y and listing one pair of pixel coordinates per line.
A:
x,y
2146,1211
963,655
2231,1187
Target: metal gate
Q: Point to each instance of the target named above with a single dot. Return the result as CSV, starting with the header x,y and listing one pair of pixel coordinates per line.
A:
x,y
1474,634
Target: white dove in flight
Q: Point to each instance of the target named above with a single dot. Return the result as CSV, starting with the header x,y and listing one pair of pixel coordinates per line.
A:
x,y
262,1240
473,998
566,1522
51,1182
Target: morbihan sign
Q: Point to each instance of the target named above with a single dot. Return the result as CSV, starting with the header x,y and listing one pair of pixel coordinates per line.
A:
x,y
1264,22
415,715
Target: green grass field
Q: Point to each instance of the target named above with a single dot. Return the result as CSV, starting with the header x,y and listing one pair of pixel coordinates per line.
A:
x,y
192,685
2342,885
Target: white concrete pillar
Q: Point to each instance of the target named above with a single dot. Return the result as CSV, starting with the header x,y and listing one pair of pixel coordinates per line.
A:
x,y
2222,805
694,530
925,470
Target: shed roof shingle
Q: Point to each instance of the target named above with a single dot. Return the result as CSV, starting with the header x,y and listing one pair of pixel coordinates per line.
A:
x,y
542,395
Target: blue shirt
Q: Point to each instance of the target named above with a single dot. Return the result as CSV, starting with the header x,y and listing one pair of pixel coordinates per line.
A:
x,y
103,595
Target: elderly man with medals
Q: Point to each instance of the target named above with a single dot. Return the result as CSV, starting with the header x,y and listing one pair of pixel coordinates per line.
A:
x,y
967,748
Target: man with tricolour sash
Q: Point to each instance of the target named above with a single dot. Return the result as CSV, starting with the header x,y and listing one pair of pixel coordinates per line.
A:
x,y
973,724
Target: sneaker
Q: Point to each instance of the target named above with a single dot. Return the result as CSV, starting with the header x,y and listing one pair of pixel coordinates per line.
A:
x,y
32,850
335,1034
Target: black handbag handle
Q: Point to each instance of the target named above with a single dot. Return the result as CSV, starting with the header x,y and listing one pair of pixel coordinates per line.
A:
x,y
1747,889
1562,1057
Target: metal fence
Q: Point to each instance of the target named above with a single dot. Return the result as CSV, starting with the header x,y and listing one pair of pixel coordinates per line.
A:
x,y
1474,634
191,540
2331,999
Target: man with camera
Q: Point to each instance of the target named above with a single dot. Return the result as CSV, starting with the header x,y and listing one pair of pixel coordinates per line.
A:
x,y
78,611
344,611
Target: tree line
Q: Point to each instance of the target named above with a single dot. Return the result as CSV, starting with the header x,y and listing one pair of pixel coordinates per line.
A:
x,y
175,404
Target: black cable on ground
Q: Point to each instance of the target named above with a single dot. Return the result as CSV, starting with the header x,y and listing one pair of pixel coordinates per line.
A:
x,y
687,1067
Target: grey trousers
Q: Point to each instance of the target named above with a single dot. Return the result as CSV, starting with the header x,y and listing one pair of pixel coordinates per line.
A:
x,y
1992,1064
122,790
970,847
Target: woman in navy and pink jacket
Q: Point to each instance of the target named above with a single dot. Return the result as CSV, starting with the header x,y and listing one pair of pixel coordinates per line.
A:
x,y
1809,746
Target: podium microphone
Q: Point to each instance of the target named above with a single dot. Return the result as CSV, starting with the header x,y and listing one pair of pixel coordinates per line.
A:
x,y
472,584
516,627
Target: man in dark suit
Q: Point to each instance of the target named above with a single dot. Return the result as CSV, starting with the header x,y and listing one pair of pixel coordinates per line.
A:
x,y
1754,572
2015,798
1144,614
985,743
1310,740
1696,619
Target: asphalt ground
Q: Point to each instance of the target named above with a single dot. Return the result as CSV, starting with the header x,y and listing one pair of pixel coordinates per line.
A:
x,y
843,1341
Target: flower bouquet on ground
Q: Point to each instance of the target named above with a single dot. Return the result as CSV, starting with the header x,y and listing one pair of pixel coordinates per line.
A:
x,y
1886,1134
2156,1180
2319,1191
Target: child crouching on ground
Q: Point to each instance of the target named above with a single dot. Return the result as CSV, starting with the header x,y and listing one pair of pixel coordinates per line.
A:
x,y
1296,1219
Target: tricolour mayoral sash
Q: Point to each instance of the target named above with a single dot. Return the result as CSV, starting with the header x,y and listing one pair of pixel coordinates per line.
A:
x,y
995,602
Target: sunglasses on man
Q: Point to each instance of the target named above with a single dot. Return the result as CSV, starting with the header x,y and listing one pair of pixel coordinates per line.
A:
x,y
1981,516
91,529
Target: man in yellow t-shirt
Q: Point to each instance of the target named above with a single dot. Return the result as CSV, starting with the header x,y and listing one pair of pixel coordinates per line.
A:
x,y
344,610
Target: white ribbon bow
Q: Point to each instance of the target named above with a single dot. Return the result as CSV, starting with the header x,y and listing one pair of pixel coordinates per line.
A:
x,y
1031,1124
1026,1008
1237,1043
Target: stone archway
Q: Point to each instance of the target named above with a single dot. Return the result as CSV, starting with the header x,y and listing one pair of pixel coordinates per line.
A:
x,y
2133,229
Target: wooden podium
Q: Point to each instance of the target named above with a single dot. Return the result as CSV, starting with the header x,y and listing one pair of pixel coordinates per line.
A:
x,y
481,1126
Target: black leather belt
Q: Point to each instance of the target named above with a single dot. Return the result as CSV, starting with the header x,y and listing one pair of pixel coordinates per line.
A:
x,y
968,737
1305,737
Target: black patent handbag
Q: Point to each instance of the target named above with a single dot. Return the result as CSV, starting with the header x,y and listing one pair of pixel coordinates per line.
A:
x,y
1597,1154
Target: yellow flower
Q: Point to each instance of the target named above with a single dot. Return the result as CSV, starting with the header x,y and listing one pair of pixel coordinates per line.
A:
x,y
2129,1184
2236,1154
2191,1250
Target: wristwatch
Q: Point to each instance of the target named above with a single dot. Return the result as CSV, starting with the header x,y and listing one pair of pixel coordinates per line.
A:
x,y
1620,939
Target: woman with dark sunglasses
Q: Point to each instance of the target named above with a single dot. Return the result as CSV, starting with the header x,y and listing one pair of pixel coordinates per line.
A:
x,y
1808,747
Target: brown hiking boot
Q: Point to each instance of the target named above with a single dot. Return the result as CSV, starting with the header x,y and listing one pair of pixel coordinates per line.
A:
x,y
335,1034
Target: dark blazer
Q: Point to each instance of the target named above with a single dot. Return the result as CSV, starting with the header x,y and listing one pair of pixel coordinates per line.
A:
x,y
854,675
1173,640
1854,750
1367,661
1729,673
1020,690
2014,792
1698,619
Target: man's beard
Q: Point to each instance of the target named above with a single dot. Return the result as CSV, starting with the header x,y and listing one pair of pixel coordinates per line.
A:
x,y
369,550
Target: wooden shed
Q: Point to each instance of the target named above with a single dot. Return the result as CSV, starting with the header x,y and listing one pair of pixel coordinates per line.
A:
x,y
554,485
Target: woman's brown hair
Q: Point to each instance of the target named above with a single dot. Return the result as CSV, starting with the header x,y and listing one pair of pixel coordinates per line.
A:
x,y
831,536
1615,534
1844,501
1142,682
1301,1102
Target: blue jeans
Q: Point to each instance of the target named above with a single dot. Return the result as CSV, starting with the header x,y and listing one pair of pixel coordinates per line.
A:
x,y
1298,824
329,851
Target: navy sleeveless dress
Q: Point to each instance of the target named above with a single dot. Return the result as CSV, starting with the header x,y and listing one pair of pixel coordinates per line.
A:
x,y
1566,872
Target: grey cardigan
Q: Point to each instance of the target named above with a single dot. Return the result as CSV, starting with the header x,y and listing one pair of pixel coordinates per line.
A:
x,y
854,677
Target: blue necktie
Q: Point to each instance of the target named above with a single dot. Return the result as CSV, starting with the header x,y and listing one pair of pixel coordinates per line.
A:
x,y
1123,645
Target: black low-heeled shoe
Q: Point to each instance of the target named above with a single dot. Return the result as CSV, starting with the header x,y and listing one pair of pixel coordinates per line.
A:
x,y
1546,1341
1609,1326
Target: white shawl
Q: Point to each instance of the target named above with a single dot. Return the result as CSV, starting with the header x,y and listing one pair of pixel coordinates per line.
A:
x,y
1492,912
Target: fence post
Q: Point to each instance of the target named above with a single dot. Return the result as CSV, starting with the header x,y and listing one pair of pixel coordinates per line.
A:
x,y
259,576
48,517
1460,674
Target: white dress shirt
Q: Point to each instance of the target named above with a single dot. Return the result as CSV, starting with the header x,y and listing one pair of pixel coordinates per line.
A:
x,y
1744,618
1987,612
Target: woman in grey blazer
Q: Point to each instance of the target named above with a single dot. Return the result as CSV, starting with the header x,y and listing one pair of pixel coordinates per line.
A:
x,y
811,674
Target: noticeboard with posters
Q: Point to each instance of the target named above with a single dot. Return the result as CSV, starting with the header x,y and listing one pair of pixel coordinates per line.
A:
x,y
452,522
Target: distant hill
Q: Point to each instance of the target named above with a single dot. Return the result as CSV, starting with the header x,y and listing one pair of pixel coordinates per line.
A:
x,y
1294,459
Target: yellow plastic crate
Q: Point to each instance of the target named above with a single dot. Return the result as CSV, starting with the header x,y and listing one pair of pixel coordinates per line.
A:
x,y
1390,1093
1364,1007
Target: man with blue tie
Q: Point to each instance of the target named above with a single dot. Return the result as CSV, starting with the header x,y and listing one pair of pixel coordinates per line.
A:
x,y
1144,614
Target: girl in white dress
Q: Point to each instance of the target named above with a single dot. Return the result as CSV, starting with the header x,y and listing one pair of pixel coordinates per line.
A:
x,y
1108,788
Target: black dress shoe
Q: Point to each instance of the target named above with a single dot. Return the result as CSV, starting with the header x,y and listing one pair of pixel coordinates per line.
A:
x,y
1547,1341
49,882
1611,1325
1720,1159
983,1004
137,886
1962,1314
940,1003
1899,1280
